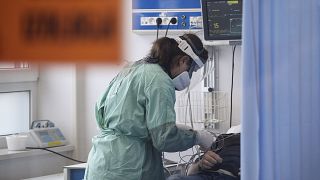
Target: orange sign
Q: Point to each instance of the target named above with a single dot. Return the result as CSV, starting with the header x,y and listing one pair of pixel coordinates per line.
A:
x,y
60,30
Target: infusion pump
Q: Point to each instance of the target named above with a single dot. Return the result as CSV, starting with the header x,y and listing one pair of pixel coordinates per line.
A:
x,y
46,137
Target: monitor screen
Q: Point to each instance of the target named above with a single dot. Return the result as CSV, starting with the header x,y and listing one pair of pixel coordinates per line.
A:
x,y
222,19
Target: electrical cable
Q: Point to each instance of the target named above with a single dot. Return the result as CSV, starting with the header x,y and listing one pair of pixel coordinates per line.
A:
x,y
167,170
167,29
173,21
213,68
222,139
6,135
231,91
193,157
45,149
190,162
181,158
187,163
158,21
190,110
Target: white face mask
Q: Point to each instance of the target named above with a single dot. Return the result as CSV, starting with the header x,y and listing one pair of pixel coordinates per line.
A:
x,y
181,81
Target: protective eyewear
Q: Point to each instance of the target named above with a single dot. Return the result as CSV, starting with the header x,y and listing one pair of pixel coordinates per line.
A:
x,y
186,48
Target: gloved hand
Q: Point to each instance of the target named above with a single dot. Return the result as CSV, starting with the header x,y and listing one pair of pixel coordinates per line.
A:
x,y
204,139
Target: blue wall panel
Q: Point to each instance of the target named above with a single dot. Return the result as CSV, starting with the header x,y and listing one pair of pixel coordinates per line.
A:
x,y
165,4
136,20
182,9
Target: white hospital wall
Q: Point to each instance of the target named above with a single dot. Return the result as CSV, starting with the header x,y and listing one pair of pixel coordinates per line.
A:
x,y
56,97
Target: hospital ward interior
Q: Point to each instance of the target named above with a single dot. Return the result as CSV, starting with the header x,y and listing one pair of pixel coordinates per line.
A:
x,y
159,89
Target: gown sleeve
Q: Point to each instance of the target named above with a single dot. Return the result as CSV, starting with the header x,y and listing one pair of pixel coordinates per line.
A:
x,y
161,121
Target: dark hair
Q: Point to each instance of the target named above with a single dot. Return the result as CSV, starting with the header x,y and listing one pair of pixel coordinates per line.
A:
x,y
165,49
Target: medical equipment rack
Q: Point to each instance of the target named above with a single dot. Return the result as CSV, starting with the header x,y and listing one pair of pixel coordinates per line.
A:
x,y
202,110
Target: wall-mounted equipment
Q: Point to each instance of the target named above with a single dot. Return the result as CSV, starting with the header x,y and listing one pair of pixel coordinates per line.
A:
x,y
145,13
222,19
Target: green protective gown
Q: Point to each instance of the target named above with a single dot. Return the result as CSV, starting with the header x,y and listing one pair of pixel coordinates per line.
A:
x,y
137,121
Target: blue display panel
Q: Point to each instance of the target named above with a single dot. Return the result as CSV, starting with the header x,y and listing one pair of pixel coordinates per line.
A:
x,y
166,4
77,174
185,20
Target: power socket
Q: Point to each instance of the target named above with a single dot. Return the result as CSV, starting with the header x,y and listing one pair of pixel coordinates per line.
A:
x,y
151,21
196,21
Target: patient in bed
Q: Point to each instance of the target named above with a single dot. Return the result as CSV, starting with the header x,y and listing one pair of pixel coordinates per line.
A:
x,y
222,162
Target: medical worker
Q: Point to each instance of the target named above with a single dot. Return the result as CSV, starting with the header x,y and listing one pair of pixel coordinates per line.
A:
x,y
136,114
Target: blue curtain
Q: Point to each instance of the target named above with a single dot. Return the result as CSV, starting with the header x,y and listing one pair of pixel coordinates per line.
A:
x,y
281,90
